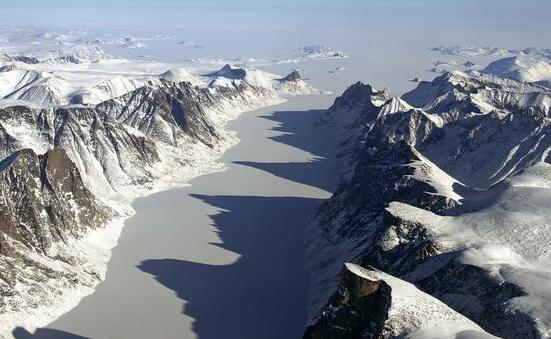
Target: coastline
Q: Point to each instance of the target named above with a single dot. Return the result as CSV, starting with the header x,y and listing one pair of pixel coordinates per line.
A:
x,y
99,243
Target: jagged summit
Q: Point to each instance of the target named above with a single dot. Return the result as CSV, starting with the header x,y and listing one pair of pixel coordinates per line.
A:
x,y
395,105
7,68
458,94
229,76
229,72
360,95
293,76
357,92
25,59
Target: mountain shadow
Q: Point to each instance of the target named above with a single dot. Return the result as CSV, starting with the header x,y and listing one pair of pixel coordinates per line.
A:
x,y
295,126
298,128
313,173
261,295
44,333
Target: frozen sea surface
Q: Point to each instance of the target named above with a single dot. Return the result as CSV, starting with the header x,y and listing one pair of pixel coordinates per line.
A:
x,y
222,258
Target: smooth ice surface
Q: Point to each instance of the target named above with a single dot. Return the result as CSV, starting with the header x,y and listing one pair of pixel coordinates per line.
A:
x,y
227,250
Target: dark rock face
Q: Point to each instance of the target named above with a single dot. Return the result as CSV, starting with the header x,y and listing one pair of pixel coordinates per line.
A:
x,y
166,112
356,97
357,310
25,59
43,203
8,143
44,200
394,152
90,137
293,76
7,68
363,201
71,59
229,72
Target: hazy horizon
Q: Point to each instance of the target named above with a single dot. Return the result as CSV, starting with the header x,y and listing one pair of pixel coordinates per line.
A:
x,y
375,34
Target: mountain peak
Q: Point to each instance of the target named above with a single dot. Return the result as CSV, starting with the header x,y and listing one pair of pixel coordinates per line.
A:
x,y
293,76
229,72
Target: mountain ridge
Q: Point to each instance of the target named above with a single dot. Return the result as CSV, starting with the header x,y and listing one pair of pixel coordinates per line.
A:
x,y
443,188
154,137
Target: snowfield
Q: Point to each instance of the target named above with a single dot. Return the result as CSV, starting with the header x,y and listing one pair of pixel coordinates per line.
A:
x,y
520,68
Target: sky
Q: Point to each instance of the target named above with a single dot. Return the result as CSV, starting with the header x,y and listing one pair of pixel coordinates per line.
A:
x,y
250,12
379,35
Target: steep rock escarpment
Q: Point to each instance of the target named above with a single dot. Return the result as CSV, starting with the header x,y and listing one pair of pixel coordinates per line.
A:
x,y
44,209
372,304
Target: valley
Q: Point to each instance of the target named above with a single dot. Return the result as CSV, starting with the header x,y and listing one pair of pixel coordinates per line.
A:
x,y
207,259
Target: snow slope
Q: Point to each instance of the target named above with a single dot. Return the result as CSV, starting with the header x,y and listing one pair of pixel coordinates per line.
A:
x,y
415,314
520,68
540,53
229,76
39,88
447,188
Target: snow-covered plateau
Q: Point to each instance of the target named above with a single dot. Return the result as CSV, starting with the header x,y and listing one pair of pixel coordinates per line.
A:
x,y
541,53
83,134
446,189
522,68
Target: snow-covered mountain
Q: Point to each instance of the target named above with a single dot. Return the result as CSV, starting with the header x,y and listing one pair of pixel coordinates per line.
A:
x,y
229,76
73,53
46,89
319,52
40,88
44,85
520,68
535,52
444,188
179,74
52,237
63,164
